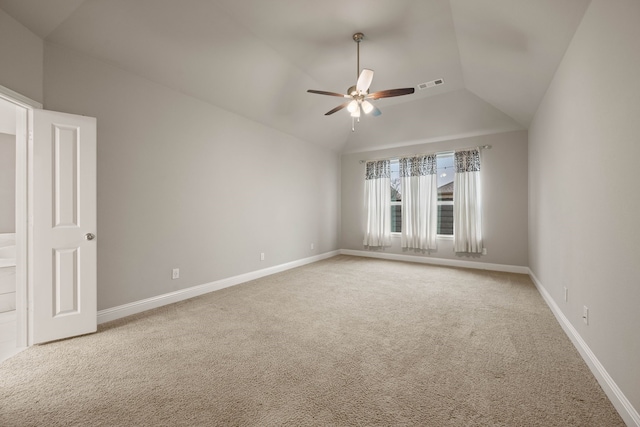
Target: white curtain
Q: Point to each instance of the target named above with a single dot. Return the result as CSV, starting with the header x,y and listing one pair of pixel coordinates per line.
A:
x,y
467,206
377,194
419,202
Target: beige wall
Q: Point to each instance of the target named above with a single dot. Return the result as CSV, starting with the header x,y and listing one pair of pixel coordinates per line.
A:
x,y
504,189
7,183
21,58
182,183
584,146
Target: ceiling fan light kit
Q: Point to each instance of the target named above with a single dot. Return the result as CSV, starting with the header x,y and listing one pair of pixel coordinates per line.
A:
x,y
358,95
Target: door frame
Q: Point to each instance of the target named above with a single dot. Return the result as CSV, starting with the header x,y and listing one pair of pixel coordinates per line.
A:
x,y
24,128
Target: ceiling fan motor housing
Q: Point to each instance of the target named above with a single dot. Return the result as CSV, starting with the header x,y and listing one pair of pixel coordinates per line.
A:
x,y
353,91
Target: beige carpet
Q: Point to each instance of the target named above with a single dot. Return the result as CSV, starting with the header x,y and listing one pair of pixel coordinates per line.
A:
x,y
346,341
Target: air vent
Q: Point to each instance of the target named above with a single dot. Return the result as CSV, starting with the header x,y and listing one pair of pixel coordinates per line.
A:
x,y
432,83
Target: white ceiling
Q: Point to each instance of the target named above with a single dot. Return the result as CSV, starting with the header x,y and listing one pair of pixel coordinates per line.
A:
x,y
257,58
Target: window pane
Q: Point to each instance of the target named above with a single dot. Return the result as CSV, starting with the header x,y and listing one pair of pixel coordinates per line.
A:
x,y
396,196
445,219
396,188
446,172
396,218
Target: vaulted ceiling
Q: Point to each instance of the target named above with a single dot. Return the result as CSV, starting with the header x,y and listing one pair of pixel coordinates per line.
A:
x,y
257,58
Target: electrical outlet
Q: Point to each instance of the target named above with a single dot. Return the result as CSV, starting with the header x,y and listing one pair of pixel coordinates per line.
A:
x,y
484,251
312,246
175,273
566,294
262,256
585,314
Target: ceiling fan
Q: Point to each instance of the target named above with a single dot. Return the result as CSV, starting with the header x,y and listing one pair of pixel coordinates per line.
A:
x,y
358,96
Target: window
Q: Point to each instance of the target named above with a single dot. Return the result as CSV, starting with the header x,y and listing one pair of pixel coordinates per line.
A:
x,y
446,172
396,197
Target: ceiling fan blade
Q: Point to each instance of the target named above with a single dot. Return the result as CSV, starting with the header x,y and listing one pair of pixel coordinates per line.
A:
x,y
390,93
338,108
322,92
364,81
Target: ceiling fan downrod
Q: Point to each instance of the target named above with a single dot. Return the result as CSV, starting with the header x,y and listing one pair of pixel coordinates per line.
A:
x,y
357,37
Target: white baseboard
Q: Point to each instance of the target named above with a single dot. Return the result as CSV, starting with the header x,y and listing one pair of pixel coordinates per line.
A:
x,y
626,410
124,310
439,261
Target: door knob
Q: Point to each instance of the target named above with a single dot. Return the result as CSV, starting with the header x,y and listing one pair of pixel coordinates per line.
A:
x,y
89,236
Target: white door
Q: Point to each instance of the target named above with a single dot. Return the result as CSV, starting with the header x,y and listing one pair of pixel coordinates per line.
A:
x,y
62,226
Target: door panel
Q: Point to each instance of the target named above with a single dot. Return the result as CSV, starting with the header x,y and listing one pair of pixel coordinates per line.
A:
x,y
65,174
66,283
63,213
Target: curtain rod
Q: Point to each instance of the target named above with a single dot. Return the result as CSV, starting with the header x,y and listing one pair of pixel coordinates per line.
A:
x,y
480,147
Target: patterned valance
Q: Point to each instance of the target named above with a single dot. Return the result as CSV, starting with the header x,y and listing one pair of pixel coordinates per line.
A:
x,y
418,166
378,169
467,161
